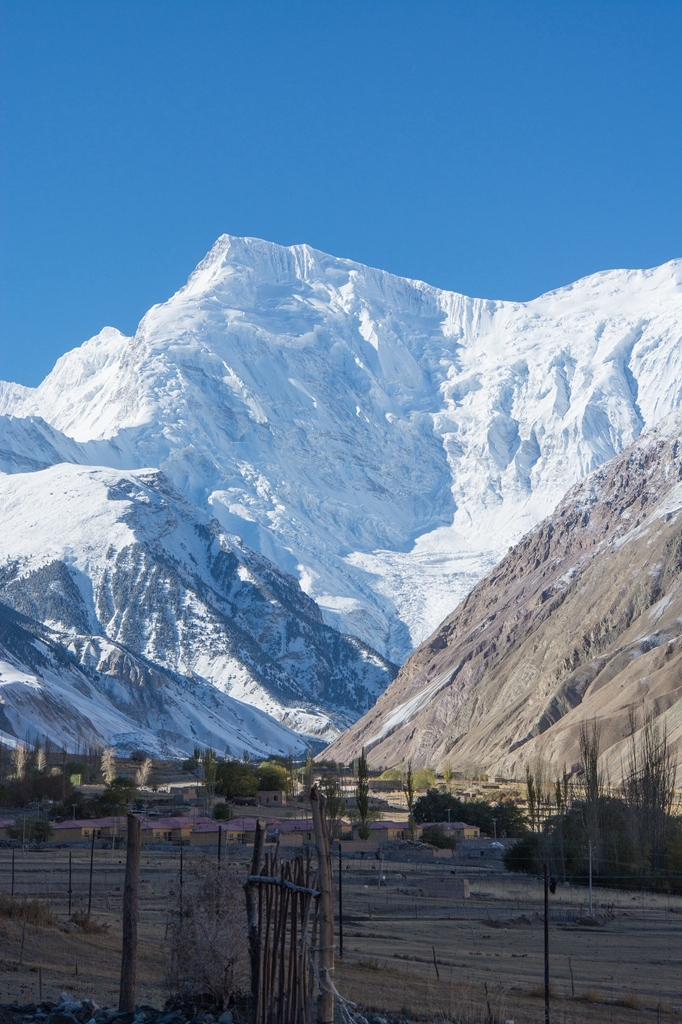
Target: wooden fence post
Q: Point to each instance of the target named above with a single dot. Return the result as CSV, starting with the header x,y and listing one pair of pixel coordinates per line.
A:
x,y
325,1005
253,924
92,858
126,998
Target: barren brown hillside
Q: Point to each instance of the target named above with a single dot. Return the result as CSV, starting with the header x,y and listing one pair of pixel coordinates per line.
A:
x,y
581,619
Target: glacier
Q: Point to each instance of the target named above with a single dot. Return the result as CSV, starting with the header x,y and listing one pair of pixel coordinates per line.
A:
x,y
380,440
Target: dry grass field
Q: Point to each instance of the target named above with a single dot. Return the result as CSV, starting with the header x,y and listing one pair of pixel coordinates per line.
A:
x,y
487,949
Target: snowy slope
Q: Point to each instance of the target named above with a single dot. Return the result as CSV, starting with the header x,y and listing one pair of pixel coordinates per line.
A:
x,y
382,440
123,570
127,703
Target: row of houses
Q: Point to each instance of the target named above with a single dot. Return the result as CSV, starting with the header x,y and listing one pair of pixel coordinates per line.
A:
x,y
202,831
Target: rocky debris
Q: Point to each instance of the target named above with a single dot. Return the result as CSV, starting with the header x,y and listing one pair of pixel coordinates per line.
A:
x,y
73,1011
68,1010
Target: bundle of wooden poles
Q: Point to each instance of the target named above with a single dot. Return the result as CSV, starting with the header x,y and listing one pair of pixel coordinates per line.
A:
x,y
290,910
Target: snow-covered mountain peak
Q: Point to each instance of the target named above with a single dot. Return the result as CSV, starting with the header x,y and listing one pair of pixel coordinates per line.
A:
x,y
382,440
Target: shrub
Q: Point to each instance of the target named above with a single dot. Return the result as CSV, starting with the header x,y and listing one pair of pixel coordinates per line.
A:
x,y
88,924
34,830
30,911
524,856
439,837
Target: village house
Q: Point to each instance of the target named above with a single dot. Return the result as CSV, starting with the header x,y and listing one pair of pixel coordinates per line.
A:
x,y
295,832
271,798
171,830
384,831
459,829
81,830
237,830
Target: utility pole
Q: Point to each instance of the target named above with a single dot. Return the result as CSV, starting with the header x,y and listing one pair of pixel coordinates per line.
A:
x,y
70,886
546,944
590,878
12,872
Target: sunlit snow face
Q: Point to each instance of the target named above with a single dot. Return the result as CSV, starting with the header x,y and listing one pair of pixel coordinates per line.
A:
x,y
390,437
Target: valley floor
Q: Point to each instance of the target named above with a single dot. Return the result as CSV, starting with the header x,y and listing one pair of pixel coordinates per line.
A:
x,y
628,969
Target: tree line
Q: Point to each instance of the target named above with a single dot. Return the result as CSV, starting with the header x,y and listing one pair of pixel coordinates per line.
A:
x,y
627,835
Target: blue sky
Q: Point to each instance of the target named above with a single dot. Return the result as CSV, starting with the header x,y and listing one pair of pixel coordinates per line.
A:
x,y
498,149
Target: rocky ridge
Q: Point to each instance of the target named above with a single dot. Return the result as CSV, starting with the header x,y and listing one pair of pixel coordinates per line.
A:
x,y
192,637
582,619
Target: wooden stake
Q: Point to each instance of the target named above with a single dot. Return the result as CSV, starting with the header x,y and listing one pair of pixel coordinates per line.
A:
x,y
325,1004
252,915
340,903
12,872
546,945
180,877
126,998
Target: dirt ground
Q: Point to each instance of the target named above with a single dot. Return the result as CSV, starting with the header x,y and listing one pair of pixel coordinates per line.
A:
x,y
488,949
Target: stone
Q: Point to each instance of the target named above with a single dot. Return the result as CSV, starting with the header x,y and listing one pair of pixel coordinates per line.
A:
x,y
225,1018
60,1017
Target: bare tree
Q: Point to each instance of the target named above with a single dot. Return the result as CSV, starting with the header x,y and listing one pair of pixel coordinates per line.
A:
x,y
362,796
532,799
208,933
19,760
108,765
592,788
538,794
143,773
649,788
335,804
39,759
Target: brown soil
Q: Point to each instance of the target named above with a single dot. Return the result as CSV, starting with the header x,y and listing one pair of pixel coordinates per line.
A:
x,y
632,958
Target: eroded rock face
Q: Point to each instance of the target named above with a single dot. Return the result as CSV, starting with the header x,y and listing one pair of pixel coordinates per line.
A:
x,y
581,619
